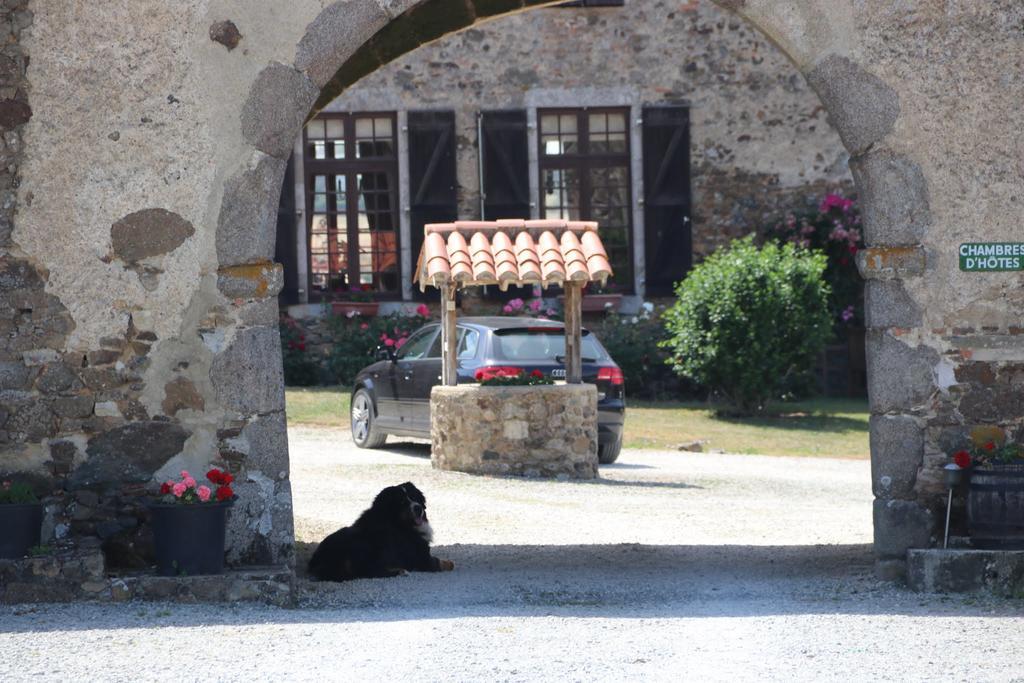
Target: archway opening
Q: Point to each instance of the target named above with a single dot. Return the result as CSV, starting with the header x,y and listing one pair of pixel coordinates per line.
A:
x,y
393,127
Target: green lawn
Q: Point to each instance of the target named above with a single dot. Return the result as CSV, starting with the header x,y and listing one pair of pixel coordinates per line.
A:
x,y
826,427
823,427
327,406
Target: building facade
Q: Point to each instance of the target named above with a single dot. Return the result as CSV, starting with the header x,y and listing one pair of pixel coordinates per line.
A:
x,y
675,125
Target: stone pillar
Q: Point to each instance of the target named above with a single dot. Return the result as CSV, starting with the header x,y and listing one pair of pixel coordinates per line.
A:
x,y
540,431
901,370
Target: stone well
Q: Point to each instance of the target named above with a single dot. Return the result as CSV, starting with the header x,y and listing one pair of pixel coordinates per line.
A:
x,y
538,431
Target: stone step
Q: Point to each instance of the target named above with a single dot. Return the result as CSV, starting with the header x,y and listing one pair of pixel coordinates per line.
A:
x,y
959,570
73,574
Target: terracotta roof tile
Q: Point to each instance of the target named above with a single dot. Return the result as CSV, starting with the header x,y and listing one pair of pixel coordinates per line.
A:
x,y
512,251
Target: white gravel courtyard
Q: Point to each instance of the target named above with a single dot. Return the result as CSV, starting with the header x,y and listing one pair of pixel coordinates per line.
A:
x,y
672,566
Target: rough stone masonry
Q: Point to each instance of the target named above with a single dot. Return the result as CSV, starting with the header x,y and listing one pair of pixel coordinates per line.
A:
x,y
531,431
143,162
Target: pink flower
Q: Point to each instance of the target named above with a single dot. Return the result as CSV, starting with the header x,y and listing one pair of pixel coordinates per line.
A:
x,y
535,305
179,490
389,342
506,309
422,310
185,474
400,343
516,304
551,311
189,483
364,326
204,493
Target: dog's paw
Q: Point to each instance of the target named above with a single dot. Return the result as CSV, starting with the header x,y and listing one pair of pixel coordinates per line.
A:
x,y
446,565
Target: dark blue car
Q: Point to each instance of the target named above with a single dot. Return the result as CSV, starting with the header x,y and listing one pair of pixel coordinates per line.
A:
x,y
392,396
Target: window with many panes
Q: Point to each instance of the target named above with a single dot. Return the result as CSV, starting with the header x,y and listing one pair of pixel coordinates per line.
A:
x,y
351,169
584,175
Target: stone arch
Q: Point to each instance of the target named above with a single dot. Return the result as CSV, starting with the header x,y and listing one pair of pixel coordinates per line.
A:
x,y
142,271
348,40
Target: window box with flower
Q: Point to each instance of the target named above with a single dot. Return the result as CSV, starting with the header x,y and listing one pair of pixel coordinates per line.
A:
x,y
21,520
598,298
189,522
358,301
995,489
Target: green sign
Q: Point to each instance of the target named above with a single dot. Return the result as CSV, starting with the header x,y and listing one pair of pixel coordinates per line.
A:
x,y
991,257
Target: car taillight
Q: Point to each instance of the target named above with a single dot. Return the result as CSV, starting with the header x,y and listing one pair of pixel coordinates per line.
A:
x,y
613,376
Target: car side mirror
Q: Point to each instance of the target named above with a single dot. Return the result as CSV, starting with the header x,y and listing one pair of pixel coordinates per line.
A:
x,y
386,353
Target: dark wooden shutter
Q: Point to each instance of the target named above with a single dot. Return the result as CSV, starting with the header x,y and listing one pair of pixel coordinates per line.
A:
x,y
432,181
285,251
667,227
506,164
506,176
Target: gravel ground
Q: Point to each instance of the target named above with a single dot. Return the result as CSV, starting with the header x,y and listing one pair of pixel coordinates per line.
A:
x,y
715,567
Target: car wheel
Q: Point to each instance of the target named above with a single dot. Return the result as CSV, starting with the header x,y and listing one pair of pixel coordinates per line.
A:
x,y
364,427
609,452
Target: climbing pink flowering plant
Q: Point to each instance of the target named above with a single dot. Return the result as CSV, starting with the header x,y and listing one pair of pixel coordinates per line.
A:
x,y
835,229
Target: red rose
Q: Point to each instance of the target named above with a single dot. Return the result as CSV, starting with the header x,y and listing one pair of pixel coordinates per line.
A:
x,y
990,446
536,373
214,476
962,459
479,375
224,493
226,478
165,488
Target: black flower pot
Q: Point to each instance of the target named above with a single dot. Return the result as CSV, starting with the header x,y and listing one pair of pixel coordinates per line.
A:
x,y
995,506
20,526
189,539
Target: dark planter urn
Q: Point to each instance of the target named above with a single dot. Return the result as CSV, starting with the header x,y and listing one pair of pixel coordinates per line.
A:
x,y
189,539
20,528
995,507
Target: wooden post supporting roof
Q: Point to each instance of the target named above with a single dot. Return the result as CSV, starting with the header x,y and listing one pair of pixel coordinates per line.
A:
x,y
449,367
512,252
573,332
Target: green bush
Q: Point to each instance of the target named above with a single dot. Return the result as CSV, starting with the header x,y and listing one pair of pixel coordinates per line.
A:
x,y
634,343
355,340
16,493
748,319
300,369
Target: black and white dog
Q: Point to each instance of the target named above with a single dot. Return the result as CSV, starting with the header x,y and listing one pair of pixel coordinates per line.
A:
x,y
391,538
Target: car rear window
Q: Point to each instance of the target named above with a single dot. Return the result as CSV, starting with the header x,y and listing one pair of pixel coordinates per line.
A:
x,y
538,345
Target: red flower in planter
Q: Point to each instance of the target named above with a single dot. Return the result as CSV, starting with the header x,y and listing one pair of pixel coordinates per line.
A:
x,y
962,459
225,493
536,373
219,477
165,488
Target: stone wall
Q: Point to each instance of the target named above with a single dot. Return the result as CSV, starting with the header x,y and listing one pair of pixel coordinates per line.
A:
x,y
145,144
541,431
760,145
